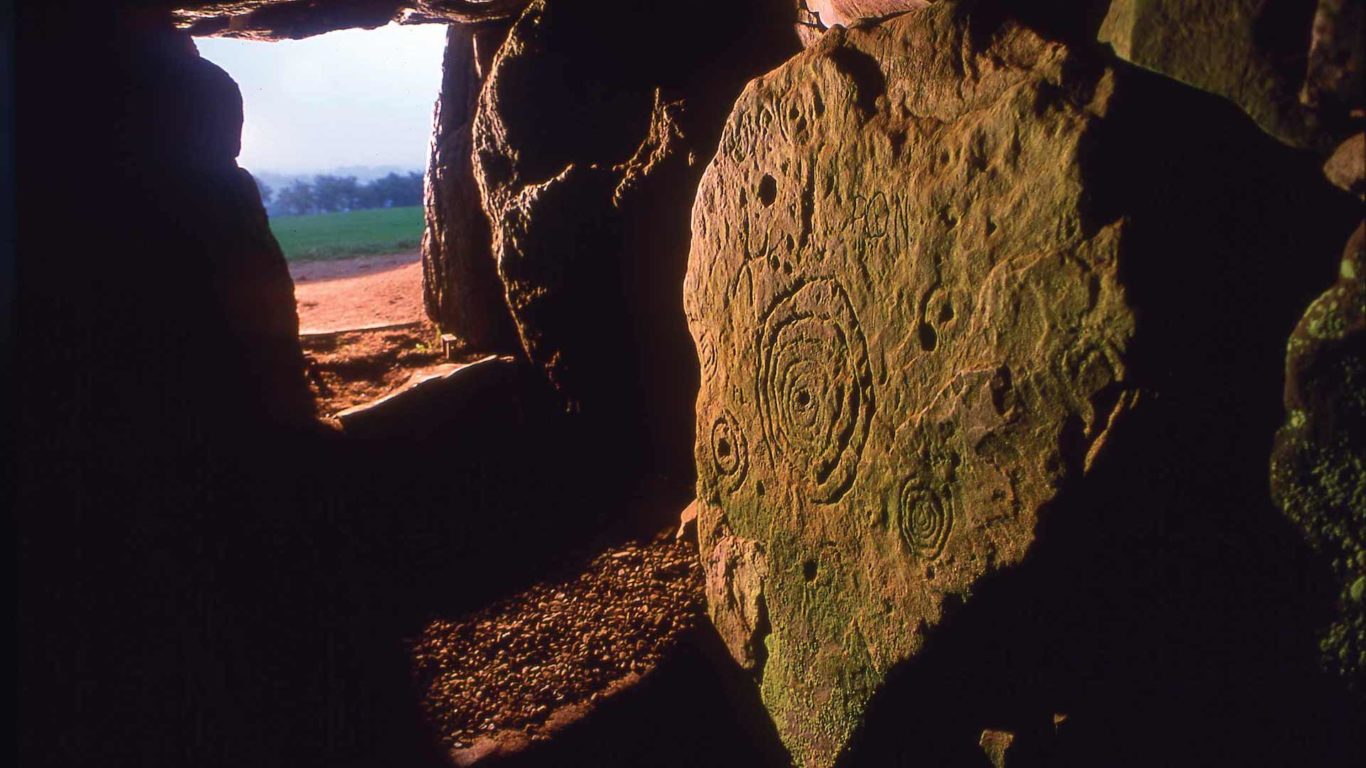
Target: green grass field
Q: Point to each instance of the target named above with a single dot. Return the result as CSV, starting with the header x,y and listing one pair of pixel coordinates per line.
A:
x,y
353,233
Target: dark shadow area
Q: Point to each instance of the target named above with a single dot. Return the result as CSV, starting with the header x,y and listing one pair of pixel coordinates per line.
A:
x,y
1074,22
8,241
610,245
1166,609
208,576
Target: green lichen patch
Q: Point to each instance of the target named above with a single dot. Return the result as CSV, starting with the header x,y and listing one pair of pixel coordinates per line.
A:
x,y
1318,464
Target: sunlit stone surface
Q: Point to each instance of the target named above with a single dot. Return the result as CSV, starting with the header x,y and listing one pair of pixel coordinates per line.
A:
x,y
910,336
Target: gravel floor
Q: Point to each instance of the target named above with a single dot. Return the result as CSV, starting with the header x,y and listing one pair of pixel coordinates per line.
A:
x,y
512,664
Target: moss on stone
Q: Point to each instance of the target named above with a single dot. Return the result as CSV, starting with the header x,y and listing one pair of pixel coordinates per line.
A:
x,y
1318,465
894,385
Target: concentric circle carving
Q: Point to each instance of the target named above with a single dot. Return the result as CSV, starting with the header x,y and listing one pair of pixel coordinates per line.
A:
x,y
925,520
729,452
815,388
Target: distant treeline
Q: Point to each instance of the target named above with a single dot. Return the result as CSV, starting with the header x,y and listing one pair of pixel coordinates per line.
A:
x,y
326,194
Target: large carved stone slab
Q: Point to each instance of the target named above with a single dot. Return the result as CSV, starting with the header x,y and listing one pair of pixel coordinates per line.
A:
x,y
911,336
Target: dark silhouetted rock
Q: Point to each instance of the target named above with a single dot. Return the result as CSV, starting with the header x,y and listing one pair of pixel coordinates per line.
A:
x,y
1250,52
911,336
1337,57
1346,167
185,129
460,284
295,19
1318,465
588,146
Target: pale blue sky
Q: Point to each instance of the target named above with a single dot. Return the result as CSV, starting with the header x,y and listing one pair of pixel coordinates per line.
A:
x,y
355,97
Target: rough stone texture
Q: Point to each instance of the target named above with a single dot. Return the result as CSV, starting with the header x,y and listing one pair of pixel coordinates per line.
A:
x,y
996,745
808,25
1346,167
586,152
814,17
1337,57
295,19
283,19
911,336
1318,465
849,12
1250,52
460,285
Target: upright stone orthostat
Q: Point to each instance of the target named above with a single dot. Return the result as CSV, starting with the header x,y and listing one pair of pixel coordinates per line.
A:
x,y
460,286
911,334
588,144
1250,52
1318,464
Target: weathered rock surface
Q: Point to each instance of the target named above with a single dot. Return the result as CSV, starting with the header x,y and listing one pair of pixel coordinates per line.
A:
x,y
295,19
1346,167
1318,465
996,745
586,152
814,17
460,285
1337,57
848,12
911,335
1250,52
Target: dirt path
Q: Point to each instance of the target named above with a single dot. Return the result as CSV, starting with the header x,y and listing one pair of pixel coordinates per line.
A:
x,y
347,312
364,292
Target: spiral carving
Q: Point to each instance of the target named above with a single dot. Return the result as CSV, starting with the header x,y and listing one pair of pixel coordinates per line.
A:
x,y
815,388
706,354
729,452
925,520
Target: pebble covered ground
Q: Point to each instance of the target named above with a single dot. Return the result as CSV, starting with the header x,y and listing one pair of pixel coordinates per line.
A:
x,y
512,664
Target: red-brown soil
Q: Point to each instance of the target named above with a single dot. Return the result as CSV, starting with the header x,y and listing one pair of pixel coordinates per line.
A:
x,y
363,292
362,327
355,367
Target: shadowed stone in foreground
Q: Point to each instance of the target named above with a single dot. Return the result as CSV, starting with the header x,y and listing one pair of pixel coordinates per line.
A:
x,y
588,144
1318,466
